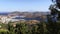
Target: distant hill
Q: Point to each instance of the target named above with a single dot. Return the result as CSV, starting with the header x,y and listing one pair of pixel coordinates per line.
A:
x,y
25,13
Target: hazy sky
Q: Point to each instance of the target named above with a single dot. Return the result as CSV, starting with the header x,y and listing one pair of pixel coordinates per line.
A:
x,y
24,5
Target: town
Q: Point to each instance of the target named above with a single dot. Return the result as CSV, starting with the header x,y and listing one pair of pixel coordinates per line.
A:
x,y
21,16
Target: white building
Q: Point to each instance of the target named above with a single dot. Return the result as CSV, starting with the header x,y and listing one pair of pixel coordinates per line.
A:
x,y
5,19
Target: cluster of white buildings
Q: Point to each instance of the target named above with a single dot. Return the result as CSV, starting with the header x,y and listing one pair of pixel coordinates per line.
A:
x,y
6,19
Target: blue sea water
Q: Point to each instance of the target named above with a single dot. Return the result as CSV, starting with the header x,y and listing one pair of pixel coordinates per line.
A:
x,y
4,13
25,18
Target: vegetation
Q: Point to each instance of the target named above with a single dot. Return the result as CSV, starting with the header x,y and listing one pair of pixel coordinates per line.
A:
x,y
23,28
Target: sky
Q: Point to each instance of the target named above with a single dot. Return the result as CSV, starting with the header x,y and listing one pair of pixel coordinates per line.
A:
x,y
24,5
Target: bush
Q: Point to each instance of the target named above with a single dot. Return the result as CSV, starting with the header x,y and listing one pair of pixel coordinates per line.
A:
x,y
2,31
